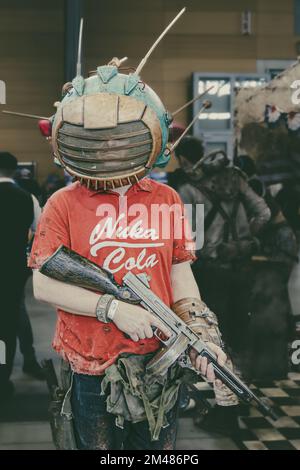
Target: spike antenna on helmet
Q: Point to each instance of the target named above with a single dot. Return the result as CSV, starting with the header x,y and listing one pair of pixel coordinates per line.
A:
x,y
79,51
206,105
191,102
144,60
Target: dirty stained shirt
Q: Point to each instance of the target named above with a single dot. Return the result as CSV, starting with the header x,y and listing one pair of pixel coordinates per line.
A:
x,y
96,225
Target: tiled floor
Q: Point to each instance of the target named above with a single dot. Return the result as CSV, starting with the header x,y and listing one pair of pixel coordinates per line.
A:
x,y
260,433
23,422
283,434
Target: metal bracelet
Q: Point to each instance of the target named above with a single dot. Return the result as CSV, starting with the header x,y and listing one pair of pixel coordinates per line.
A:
x,y
111,310
103,307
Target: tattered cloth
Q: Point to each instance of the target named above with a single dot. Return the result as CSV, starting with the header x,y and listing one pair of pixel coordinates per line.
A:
x,y
136,395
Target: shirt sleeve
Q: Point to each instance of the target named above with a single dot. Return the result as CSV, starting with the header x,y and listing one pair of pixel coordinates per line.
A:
x,y
183,243
52,232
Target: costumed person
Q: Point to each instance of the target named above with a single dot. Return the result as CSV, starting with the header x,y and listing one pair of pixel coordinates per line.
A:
x,y
108,132
234,215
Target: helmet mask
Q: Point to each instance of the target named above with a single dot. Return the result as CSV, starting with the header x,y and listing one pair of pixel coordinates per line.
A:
x,y
106,138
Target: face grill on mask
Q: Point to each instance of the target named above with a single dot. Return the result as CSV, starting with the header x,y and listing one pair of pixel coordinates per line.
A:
x,y
106,140
101,152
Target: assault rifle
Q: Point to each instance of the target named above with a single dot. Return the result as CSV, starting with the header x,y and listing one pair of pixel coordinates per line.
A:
x,y
67,266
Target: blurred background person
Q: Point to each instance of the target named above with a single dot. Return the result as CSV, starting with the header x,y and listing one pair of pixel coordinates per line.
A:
x,y
25,180
31,366
289,200
17,214
178,177
52,184
234,215
271,323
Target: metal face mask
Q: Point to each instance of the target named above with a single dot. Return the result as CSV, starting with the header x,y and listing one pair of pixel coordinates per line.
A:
x,y
110,129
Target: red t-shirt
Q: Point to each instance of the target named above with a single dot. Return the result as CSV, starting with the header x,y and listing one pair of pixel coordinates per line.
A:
x,y
120,233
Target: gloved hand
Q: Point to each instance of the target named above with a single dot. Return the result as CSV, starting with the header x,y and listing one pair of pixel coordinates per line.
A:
x,y
200,318
204,322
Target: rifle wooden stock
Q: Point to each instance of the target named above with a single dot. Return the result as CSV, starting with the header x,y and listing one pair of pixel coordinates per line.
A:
x,y
68,266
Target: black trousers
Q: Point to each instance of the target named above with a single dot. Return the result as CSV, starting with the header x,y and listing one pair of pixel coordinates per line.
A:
x,y
11,290
25,334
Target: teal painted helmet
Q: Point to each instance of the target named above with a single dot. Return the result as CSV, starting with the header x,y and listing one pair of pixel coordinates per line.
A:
x,y
110,129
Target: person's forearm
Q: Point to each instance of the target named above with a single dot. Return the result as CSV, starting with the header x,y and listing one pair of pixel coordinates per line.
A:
x,y
132,319
183,282
70,298
81,301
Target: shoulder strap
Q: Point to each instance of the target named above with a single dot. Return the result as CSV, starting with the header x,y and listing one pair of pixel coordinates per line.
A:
x,y
229,221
